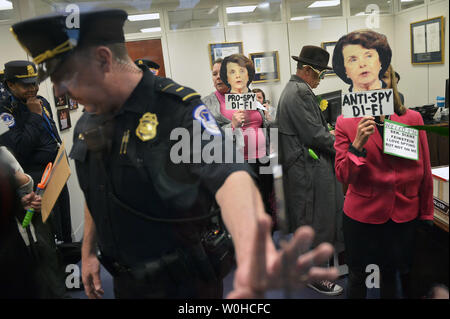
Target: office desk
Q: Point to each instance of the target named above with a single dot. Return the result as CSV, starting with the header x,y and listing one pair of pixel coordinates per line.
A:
x,y
438,146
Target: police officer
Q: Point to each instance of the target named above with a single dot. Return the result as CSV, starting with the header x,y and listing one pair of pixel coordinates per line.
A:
x,y
148,187
152,66
34,140
33,137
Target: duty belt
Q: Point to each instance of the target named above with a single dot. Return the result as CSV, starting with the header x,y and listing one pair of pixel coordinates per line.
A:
x,y
178,265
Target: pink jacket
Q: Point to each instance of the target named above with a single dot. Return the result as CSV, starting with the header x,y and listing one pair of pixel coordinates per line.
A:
x,y
381,186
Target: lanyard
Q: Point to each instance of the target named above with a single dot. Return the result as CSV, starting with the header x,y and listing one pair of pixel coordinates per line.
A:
x,y
48,127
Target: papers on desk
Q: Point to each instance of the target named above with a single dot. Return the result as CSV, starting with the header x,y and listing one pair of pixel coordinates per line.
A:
x,y
440,172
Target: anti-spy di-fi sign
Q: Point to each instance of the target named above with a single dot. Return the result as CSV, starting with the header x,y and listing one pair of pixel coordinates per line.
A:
x,y
368,103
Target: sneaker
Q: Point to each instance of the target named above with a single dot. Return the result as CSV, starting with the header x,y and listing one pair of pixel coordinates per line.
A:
x,y
326,287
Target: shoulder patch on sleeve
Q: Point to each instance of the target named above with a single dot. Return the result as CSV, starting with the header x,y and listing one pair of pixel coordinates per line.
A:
x,y
168,86
8,119
202,114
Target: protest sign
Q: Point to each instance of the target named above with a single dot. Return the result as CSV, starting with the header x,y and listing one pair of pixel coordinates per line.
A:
x,y
246,101
368,103
400,140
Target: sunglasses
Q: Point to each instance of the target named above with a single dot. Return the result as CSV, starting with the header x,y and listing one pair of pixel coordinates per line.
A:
x,y
321,74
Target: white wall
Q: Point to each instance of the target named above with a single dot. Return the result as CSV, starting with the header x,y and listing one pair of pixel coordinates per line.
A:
x,y
189,59
10,48
261,38
438,72
414,78
420,83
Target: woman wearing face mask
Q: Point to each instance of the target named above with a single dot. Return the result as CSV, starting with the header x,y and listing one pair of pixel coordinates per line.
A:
x,y
386,193
237,72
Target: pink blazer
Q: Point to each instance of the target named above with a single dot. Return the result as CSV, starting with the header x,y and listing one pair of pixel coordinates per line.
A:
x,y
381,186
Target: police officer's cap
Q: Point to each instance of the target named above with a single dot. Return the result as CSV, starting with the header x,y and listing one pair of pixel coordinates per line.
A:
x,y
50,39
148,63
20,71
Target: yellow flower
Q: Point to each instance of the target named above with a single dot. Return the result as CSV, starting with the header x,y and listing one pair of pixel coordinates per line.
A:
x,y
323,105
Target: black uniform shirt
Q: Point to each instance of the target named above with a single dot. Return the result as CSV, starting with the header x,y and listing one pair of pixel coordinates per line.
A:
x,y
142,176
31,137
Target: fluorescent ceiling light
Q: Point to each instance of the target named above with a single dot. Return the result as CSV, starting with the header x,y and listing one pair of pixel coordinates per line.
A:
x,y
5,5
241,9
406,0
235,23
321,4
301,18
264,5
361,14
142,17
213,9
157,29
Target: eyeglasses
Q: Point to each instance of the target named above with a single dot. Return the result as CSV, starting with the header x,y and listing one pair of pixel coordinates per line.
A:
x,y
321,74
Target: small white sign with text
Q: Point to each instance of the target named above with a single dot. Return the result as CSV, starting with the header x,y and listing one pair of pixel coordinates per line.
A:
x,y
368,103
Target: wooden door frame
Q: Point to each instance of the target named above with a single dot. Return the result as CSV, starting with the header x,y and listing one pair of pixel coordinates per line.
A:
x,y
133,37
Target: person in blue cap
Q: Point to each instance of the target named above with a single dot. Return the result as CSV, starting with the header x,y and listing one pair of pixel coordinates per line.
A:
x,y
149,214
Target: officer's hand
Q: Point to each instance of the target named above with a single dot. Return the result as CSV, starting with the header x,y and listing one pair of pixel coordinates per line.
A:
x,y
34,105
293,265
90,273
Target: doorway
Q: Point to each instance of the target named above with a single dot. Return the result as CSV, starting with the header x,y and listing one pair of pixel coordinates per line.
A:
x,y
147,49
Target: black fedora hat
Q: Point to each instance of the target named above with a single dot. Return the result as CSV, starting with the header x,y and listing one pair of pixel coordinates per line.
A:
x,y
315,57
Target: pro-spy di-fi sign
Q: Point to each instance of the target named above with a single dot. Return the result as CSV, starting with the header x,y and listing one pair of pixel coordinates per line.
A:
x,y
246,101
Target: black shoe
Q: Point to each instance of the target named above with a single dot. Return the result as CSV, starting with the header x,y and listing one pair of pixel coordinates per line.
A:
x,y
326,287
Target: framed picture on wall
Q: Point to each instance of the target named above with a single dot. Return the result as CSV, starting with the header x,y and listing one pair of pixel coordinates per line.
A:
x,y
329,46
267,66
73,105
59,100
64,119
427,41
222,50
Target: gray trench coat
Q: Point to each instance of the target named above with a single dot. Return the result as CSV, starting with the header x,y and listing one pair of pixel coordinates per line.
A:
x,y
313,195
